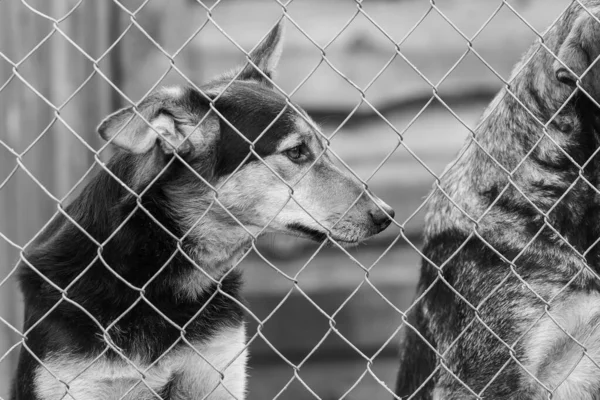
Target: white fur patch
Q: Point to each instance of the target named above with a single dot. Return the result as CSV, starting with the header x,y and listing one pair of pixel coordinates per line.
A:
x,y
173,91
105,380
557,360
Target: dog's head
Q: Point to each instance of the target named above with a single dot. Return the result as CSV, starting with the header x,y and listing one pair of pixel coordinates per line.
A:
x,y
577,47
573,70
265,158
567,81
557,85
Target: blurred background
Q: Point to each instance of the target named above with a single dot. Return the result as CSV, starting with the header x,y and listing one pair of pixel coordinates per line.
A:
x,y
65,64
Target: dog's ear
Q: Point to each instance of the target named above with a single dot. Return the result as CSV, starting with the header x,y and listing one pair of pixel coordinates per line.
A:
x,y
578,51
265,56
139,131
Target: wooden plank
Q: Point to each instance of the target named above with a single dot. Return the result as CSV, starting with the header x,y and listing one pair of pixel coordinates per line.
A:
x,y
23,207
361,50
328,282
8,254
58,160
63,84
87,27
144,63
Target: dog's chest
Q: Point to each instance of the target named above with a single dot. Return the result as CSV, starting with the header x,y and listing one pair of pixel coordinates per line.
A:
x,y
183,372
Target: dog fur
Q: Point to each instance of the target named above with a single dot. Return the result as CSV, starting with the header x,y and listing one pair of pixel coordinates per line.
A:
x,y
135,294
508,303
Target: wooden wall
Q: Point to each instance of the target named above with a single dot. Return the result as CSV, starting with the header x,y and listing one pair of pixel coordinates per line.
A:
x,y
54,71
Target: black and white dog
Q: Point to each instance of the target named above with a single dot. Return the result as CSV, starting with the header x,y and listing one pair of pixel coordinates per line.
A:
x,y
155,310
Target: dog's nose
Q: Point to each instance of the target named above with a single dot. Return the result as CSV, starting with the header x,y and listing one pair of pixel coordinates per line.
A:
x,y
380,218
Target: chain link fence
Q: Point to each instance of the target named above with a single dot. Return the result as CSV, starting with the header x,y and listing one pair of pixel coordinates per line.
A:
x,y
73,67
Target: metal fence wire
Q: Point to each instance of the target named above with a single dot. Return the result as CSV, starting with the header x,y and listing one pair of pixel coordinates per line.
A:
x,y
13,162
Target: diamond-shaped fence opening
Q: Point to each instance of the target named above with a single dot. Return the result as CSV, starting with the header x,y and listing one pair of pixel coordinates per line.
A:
x,y
130,254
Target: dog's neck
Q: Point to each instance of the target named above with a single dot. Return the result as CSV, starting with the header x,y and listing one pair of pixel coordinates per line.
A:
x,y
511,178
215,248
214,239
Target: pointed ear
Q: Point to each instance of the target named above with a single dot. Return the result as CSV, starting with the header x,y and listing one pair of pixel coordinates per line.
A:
x,y
265,56
138,132
580,48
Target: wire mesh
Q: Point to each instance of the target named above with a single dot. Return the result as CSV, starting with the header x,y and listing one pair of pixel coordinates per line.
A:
x,y
142,372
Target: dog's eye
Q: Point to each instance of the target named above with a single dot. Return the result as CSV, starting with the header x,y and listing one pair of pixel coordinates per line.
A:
x,y
297,153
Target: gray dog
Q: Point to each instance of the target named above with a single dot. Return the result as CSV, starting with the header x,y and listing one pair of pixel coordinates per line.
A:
x,y
508,304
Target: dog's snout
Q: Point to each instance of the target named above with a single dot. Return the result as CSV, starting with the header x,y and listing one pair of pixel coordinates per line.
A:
x,y
382,215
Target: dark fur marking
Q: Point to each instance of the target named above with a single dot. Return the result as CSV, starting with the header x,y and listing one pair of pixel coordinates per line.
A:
x,y
441,310
250,108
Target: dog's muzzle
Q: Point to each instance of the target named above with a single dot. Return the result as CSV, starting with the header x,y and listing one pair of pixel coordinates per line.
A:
x,y
382,216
